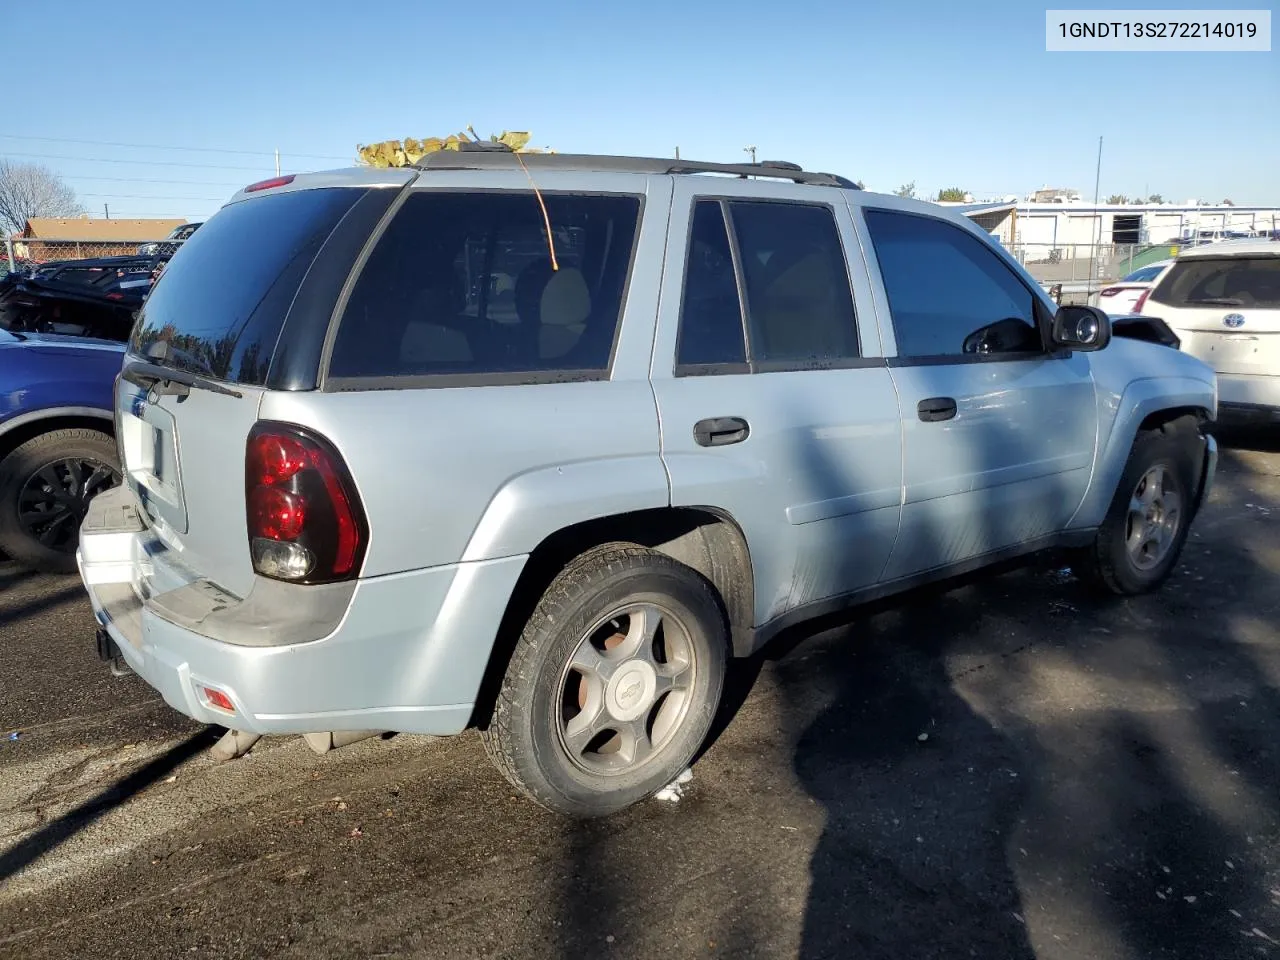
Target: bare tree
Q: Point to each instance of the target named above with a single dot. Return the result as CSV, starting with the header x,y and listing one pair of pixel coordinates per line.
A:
x,y
29,190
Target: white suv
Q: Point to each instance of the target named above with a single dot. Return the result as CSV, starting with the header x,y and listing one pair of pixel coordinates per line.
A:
x,y
1223,301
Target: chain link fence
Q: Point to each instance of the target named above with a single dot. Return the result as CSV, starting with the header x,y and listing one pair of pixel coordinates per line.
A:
x,y
1075,272
35,250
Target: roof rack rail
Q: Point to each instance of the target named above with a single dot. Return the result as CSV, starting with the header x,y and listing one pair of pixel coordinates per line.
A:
x,y
488,159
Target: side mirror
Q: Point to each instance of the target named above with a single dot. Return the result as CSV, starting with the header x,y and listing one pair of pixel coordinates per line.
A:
x,y
1077,327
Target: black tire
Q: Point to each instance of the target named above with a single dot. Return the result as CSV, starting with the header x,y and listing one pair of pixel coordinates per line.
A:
x,y
1107,563
524,737
22,465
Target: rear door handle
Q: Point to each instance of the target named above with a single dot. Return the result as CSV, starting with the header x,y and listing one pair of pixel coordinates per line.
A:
x,y
936,408
718,431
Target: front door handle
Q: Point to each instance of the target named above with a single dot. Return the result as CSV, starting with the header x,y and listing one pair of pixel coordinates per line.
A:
x,y
718,431
936,408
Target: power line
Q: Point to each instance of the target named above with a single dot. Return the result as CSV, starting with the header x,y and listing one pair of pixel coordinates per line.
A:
x,y
145,163
185,183
142,196
157,146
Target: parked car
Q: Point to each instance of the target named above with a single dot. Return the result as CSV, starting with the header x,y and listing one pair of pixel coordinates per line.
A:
x,y
1122,296
359,497
168,246
91,297
57,448
1223,302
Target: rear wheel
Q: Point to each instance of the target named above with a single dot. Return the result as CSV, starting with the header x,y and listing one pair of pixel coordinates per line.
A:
x,y
45,488
1141,539
613,684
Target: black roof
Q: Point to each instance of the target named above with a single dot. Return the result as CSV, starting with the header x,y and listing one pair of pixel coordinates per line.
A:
x,y
490,159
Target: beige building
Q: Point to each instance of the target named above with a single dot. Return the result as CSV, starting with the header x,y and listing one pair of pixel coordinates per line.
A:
x,y
48,238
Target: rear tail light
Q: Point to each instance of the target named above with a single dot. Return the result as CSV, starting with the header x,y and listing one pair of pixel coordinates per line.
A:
x,y
1141,301
306,523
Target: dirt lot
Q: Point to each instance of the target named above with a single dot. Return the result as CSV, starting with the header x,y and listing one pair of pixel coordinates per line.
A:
x,y
1097,780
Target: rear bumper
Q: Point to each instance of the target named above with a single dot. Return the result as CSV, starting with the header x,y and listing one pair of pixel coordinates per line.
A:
x,y
1244,395
407,654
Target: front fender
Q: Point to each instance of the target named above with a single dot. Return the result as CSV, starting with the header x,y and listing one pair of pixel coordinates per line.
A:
x,y
534,505
1141,398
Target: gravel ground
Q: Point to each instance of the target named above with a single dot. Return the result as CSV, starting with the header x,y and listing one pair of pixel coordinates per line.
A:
x,y
1005,769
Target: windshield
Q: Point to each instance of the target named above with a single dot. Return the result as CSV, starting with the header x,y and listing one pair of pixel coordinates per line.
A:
x,y
1222,282
218,307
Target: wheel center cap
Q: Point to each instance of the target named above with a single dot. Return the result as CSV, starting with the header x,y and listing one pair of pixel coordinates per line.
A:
x,y
630,691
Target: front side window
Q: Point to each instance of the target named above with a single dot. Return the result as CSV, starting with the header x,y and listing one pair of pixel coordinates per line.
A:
x,y
949,294
464,284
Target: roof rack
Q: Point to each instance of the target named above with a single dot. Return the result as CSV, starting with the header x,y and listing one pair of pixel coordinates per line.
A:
x,y
489,158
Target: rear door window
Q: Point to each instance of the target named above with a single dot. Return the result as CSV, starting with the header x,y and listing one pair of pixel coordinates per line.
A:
x,y
463,284
799,302
1221,282
218,307
779,265
711,329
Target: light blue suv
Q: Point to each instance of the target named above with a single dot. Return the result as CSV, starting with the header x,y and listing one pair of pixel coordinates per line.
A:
x,y
537,444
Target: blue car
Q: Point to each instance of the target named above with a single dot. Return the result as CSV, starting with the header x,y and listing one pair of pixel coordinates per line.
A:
x,y
57,442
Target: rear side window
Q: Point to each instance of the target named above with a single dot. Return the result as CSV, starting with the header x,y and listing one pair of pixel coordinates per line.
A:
x,y
788,261
463,284
1221,282
220,303
949,293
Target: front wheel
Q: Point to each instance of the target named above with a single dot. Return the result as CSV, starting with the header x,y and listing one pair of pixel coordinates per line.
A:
x,y
1141,538
613,684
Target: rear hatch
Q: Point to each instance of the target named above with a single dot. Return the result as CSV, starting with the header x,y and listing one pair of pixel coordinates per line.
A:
x,y
221,315
1226,309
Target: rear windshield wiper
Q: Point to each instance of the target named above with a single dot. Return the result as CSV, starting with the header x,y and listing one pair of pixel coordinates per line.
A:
x,y
167,381
1219,302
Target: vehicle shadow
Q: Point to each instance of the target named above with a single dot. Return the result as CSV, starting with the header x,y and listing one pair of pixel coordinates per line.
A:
x,y
12,613
56,832
1107,789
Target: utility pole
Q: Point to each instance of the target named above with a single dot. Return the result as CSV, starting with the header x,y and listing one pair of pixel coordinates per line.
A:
x,y
751,150
106,211
277,161
1097,182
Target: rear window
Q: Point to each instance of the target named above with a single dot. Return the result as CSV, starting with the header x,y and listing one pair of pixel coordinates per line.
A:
x,y
463,285
1221,282
219,305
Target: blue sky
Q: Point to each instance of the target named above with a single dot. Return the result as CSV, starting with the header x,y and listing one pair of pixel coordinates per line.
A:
x,y
941,94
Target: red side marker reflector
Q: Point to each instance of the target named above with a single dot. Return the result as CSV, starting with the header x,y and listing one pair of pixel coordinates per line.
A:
x,y
218,699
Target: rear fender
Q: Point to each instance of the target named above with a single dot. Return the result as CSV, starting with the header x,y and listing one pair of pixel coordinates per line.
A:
x,y
534,505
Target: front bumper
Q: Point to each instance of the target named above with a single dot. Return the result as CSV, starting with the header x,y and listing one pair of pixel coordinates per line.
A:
x,y
407,654
1208,470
